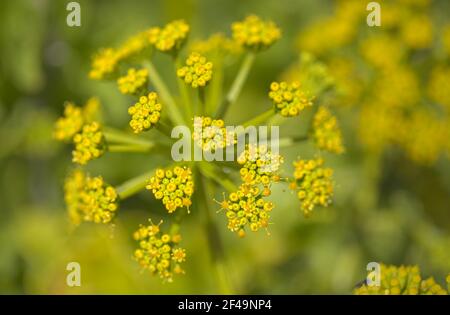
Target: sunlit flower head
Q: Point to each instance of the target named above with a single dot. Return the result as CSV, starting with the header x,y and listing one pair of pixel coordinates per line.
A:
x,y
326,132
89,143
172,37
289,99
216,45
174,187
211,134
255,34
133,82
70,124
197,72
145,113
159,252
104,63
313,184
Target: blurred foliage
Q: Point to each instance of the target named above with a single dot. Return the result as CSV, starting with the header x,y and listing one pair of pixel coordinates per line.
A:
x,y
386,208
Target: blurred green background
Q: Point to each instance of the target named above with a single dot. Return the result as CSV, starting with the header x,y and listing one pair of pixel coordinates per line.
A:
x,y
386,209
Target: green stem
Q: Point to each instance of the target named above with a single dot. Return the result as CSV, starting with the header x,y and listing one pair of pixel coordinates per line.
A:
x,y
260,119
184,91
215,89
173,110
128,148
290,141
201,97
133,185
117,136
213,236
211,172
237,85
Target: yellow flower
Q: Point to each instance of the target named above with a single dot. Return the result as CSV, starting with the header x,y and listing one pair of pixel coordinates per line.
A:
x,y
70,124
439,86
246,208
172,36
89,198
405,280
289,100
160,254
104,63
326,132
210,134
174,187
74,118
446,38
417,31
137,43
216,45
133,82
197,72
255,34
382,51
145,113
89,143
259,166
313,183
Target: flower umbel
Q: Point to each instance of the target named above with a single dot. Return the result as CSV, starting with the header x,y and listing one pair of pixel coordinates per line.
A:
x,y
104,63
289,100
145,113
89,143
197,72
159,252
172,36
70,124
210,134
255,34
405,280
326,131
246,208
174,187
313,183
133,82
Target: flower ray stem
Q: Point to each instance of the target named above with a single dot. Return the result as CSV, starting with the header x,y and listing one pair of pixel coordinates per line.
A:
x,y
117,136
260,119
237,85
290,141
213,235
184,91
133,185
211,171
173,111
129,148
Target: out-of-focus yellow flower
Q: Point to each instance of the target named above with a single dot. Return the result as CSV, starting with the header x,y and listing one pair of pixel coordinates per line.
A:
x,y
348,81
259,166
136,44
313,183
172,37
417,31
70,124
439,86
247,208
326,132
211,134
89,143
197,72
104,63
159,252
405,280
255,34
133,82
74,118
216,45
446,39
382,51
289,99
174,187
89,198
145,113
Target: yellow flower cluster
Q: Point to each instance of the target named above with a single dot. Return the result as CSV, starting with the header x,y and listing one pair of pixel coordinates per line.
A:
x,y
133,82
405,280
417,31
159,252
136,44
173,186
216,44
89,143
313,183
197,72
246,207
382,51
89,198
70,124
210,134
289,100
259,166
172,37
103,64
145,113
255,34
326,132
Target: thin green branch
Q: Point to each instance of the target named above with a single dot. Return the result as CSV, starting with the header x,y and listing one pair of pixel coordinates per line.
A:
x,y
212,171
129,148
117,136
237,85
260,119
173,110
184,91
133,185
